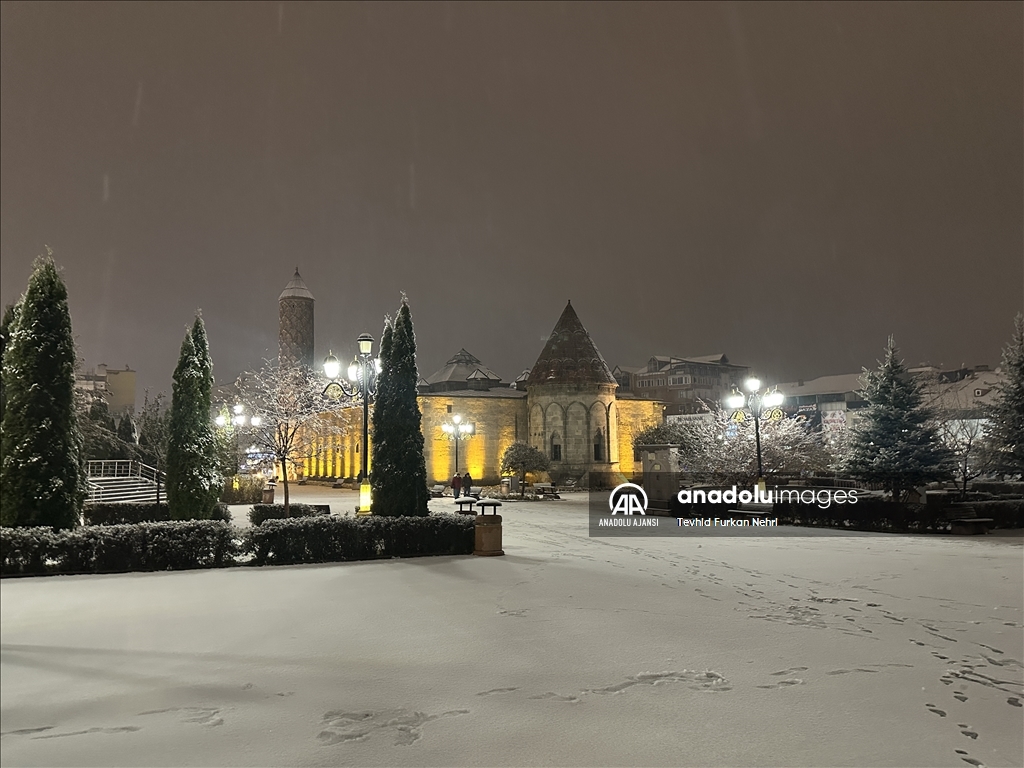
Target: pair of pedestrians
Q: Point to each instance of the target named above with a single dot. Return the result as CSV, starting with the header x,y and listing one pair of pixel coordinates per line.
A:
x,y
458,483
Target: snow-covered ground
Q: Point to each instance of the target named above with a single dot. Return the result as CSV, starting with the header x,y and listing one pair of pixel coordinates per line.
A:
x,y
829,650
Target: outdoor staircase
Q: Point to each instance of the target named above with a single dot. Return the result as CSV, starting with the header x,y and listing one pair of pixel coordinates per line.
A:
x,y
123,481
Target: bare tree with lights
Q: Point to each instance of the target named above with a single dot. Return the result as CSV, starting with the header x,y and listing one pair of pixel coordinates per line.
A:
x,y
290,415
720,450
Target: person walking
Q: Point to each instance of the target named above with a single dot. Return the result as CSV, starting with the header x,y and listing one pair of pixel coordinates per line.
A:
x,y
467,484
456,484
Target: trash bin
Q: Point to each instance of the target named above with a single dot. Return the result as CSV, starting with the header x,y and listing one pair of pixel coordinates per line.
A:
x,y
268,495
506,486
488,536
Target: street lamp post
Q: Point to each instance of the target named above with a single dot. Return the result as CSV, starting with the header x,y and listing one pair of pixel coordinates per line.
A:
x,y
457,431
362,384
761,404
236,422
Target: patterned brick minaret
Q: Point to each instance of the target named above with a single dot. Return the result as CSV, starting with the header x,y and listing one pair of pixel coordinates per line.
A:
x,y
295,333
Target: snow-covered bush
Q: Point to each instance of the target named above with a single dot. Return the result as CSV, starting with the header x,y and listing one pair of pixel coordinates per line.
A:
x,y
261,512
130,512
123,513
161,546
324,539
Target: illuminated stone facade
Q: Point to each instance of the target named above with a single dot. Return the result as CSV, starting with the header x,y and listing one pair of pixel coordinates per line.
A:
x,y
567,407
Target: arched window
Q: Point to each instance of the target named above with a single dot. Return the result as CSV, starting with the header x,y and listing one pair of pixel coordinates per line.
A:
x,y
598,446
556,447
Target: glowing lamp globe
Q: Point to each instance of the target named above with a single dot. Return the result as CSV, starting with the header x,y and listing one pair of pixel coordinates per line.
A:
x,y
332,367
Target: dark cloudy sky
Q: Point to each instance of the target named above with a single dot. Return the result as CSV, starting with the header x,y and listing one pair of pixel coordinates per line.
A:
x,y
787,184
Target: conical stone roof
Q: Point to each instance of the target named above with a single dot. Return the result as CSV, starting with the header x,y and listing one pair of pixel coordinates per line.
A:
x,y
570,356
296,289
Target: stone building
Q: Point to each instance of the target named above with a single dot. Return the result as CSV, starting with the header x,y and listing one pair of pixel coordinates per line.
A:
x,y
566,406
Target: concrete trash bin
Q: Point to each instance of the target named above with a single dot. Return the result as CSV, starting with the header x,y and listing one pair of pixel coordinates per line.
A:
x,y
268,495
488,536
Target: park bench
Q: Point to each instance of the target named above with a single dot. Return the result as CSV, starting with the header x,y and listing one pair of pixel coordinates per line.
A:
x,y
547,490
473,490
970,526
754,511
437,491
570,485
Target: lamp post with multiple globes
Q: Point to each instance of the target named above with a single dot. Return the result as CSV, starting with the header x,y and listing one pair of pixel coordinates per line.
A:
x,y
457,431
236,421
362,385
760,404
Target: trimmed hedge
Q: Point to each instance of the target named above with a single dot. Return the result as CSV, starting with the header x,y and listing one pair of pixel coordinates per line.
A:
x,y
324,539
876,515
123,513
128,512
998,487
1007,513
261,512
161,546
187,544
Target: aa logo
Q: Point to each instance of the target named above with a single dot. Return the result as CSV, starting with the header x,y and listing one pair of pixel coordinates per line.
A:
x,y
628,499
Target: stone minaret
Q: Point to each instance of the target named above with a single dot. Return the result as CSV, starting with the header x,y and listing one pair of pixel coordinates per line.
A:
x,y
295,334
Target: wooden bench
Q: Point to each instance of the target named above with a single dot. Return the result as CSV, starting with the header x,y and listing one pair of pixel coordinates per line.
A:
x,y
970,526
473,490
437,491
755,511
485,504
546,490
465,506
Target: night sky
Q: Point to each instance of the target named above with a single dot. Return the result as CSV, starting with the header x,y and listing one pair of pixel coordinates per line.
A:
x,y
787,184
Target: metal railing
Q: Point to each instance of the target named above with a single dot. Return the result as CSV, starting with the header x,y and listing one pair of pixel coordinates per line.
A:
x,y
124,468
123,480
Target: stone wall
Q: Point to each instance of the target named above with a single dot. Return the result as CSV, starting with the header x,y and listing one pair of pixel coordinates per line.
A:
x,y
497,421
635,415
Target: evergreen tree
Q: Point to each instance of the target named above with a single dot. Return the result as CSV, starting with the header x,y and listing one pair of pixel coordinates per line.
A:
x,y
1005,428
895,442
99,430
382,457
192,483
42,481
402,473
154,435
412,467
203,357
127,437
6,329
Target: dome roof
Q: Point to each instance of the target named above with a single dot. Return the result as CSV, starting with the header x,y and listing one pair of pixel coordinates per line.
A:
x,y
296,289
